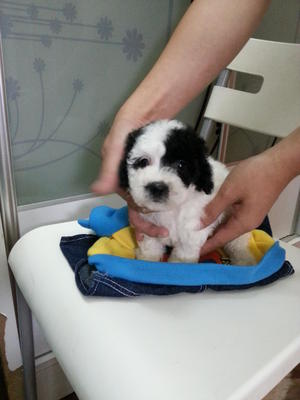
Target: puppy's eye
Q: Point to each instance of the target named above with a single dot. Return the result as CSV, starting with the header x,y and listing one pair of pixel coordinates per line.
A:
x,y
141,163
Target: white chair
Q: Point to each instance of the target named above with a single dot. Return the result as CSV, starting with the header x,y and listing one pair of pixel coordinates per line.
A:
x,y
210,346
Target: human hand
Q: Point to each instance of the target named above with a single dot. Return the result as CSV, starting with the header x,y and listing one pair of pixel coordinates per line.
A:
x,y
108,180
111,155
248,193
141,226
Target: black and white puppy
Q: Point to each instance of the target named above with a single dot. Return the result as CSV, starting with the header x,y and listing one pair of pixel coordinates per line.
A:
x,y
166,170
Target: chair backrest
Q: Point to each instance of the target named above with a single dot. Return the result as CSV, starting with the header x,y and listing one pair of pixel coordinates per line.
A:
x,y
275,109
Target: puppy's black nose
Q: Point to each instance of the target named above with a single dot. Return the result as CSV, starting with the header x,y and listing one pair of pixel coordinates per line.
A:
x,y
158,191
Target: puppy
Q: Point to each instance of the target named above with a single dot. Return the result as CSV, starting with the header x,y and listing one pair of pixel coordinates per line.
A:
x,y
166,169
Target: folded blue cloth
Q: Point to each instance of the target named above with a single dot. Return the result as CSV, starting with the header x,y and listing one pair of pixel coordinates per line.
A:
x,y
92,282
189,274
106,275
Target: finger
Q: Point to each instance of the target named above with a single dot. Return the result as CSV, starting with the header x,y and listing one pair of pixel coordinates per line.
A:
x,y
108,179
226,232
219,204
112,152
139,236
145,227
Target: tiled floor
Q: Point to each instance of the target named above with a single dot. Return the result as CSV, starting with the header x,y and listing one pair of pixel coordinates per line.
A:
x,y
287,389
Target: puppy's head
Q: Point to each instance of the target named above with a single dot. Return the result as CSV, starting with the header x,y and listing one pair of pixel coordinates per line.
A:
x,y
164,162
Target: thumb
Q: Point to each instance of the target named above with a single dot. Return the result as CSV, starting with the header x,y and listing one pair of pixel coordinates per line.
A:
x,y
108,180
218,204
226,232
112,153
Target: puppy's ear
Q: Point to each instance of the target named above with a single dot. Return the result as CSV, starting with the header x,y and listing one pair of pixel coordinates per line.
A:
x,y
203,178
123,174
123,167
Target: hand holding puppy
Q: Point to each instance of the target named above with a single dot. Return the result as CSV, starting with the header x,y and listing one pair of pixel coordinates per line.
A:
x,y
111,154
251,189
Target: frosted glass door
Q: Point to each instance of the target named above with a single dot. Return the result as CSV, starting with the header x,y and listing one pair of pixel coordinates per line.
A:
x,y
68,67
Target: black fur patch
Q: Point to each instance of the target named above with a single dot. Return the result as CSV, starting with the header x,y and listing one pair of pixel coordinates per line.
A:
x,y
123,171
186,153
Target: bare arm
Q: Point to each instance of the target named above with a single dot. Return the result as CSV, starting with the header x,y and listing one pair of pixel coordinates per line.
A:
x,y
207,38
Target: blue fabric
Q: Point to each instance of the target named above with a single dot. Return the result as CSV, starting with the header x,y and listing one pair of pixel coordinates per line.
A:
x,y
92,282
162,273
105,221
105,275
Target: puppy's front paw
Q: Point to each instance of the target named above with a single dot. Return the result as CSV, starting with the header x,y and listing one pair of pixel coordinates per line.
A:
x,y
175,258
239,251
146,256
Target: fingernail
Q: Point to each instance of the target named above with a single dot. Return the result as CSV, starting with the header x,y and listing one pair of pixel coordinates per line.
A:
x,y
164,233
139,237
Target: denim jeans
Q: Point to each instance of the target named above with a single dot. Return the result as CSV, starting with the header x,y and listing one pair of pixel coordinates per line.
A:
x,y
91,282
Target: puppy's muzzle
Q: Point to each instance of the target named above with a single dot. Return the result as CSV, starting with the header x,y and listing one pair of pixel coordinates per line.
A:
x,y
158,191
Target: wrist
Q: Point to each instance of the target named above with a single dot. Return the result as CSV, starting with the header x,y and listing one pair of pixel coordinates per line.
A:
x,y
285,157
130,116
146,105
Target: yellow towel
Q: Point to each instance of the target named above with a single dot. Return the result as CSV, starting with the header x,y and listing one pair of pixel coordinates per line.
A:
x,y
259,243
122,243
